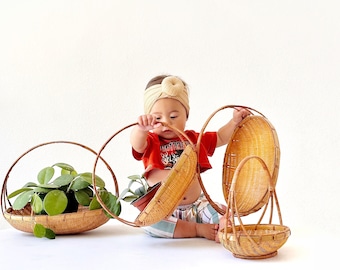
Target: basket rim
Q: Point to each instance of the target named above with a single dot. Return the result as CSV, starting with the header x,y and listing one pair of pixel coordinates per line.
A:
x,y
273,228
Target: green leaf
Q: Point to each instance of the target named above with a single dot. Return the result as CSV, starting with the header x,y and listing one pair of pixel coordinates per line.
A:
x,y
30,184
94,204
79,183
140,191
45,175
124,192
130,198
63,180
48,186
64,166
55,202
111,202
82,197
89,191
17,192
73,173
39,230
21,201
36,204
88,178
134,177
42,190
131,183
49,234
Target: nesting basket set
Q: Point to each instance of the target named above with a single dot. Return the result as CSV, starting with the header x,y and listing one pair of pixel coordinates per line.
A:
x,y
250,172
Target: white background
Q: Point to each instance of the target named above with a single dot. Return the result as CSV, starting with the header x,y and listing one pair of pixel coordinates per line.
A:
x,y
76,70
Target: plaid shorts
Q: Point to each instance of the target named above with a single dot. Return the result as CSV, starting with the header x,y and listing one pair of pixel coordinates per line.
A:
x,y
200,211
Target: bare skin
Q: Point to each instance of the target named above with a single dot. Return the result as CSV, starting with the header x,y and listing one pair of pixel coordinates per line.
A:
x,y
173,113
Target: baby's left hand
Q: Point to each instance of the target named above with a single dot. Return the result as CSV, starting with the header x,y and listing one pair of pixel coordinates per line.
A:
x,y
239,114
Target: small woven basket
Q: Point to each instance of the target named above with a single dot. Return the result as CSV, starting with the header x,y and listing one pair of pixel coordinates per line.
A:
x,y
67,223
254,241
170,192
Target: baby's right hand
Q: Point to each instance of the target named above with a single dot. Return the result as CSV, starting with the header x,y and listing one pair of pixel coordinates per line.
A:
x,y
147,122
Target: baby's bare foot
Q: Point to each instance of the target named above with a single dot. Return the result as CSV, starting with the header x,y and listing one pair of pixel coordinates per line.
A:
x,y
208,231
224,222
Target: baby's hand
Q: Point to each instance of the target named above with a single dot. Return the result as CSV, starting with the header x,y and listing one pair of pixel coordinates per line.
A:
x,y
239,114
147,122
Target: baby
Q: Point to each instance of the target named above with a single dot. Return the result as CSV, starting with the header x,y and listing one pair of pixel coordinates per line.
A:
x,y
166,99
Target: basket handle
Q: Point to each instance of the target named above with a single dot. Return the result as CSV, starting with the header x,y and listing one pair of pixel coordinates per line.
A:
x,y
232,206
213,204
220,109
5,202
180,134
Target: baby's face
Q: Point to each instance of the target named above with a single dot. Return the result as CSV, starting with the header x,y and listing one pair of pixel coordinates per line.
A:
x,y
172,112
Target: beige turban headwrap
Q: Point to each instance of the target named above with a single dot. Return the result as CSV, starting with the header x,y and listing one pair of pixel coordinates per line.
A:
x,y
171,87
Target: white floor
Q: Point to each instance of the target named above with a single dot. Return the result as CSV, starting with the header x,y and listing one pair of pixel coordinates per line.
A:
x,y
118,245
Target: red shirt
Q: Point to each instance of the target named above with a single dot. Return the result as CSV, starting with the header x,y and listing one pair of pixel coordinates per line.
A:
x,y
163,154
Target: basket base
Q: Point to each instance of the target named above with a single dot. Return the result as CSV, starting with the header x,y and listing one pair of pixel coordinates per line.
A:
x,y
69,223
273,254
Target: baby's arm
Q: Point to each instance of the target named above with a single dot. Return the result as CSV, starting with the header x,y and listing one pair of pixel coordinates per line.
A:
x,y
139,132
225,132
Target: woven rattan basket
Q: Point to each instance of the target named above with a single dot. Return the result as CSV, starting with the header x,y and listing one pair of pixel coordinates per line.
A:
x,y
169,194
172,190
254,135
68,223
253,241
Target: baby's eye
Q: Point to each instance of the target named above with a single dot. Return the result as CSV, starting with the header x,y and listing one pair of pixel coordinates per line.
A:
x,y
173,116
158,118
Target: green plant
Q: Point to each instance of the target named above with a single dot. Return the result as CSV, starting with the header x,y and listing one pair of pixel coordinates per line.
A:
x,y
62,194
130,194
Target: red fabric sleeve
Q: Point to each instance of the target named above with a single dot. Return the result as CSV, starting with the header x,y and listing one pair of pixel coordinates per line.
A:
x,y
207,147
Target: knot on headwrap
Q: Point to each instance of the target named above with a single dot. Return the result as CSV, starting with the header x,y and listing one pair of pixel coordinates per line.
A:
x,y
171,87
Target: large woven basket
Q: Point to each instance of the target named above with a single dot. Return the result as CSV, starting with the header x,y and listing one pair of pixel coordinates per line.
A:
x,y
253,241
170,192
68,223
254,135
